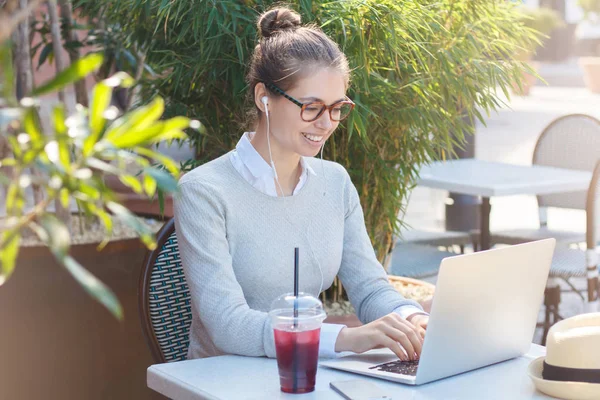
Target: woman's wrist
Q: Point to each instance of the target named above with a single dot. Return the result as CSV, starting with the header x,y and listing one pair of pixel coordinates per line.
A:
x,y
412,316
344,341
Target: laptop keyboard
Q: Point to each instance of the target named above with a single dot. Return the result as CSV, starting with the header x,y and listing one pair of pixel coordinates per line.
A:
x,y
399,367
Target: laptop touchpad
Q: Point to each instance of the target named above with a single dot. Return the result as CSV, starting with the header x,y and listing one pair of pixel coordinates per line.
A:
x,y
372,357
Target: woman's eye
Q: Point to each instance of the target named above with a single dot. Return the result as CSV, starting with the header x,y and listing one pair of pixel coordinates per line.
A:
x,y
312,109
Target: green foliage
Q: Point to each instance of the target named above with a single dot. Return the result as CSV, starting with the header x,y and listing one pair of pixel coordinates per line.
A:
x,y
80,151
590,6
118,52
422,71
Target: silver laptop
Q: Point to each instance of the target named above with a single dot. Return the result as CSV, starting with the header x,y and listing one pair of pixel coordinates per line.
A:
x,y
484,311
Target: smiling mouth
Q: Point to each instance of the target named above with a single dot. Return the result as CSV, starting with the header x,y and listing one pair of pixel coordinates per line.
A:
x,y
313,138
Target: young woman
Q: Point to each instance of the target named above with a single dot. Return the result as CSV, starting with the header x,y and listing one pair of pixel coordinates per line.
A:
x,y
239,217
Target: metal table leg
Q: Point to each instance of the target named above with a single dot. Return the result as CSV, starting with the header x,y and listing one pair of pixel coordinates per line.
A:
x,y
485,224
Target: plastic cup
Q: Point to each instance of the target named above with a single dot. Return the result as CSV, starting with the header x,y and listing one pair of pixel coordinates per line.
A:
x,y
296,326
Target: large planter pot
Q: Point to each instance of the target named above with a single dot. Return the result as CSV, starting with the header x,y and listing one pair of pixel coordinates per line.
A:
x,y
56,342
591,72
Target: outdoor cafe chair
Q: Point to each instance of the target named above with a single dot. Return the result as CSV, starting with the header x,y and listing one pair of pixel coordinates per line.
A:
x,y
164,299
416,261
446,239
573,142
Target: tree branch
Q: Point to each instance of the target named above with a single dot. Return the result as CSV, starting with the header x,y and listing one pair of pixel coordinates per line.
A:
x,y
66,13
61,212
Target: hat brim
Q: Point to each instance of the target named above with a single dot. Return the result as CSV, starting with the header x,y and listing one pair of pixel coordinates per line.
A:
x,y
562,390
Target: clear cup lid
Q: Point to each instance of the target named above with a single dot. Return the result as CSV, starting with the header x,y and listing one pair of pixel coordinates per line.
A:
x,y
308,307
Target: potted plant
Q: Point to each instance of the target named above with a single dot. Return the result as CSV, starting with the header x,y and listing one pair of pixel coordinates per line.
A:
x,y
68,281
43,257
587,34
542,21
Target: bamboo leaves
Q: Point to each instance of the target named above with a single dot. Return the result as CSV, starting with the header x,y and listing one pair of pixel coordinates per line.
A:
x,y
94,286
8,254
74,157
76,71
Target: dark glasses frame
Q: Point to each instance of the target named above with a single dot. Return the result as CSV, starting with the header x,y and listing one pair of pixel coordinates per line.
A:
x,y
303,106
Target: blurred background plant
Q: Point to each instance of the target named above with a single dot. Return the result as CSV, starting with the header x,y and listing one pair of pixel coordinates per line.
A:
x,y
67,164
588,30
541,19
587,34
590,7
120,54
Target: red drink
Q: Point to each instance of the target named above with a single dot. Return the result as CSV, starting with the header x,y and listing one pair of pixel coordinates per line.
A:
x,y
296,322
297,358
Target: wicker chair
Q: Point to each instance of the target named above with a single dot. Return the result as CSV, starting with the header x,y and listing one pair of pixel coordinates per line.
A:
x,y
571,141
164,299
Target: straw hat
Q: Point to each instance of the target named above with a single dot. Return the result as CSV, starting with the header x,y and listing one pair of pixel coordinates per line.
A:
x,y
571,368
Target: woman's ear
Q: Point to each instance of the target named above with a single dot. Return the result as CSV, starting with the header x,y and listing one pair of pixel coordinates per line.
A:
x,y
260,91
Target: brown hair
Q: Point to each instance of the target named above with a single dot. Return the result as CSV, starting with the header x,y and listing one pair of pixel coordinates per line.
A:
x,y
287,49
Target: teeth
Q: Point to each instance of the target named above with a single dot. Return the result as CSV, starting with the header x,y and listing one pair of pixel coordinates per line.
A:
x,y
313,138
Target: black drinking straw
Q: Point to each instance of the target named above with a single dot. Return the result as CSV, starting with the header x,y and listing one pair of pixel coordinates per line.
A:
x,y
296,257
295,356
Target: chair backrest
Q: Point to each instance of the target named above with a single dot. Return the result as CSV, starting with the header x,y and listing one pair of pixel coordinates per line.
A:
x,y
571,141
593,212
164,299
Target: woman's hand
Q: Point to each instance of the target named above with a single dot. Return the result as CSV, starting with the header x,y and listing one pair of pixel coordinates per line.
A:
x,y
420,321
391,331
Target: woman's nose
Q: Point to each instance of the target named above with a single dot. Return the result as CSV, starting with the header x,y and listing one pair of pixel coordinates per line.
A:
x,y
324,121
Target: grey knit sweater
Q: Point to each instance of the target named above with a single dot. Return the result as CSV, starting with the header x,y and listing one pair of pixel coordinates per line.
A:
x,y
237,248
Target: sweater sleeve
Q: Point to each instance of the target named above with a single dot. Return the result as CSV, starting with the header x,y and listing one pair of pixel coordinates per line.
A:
x,y
217,297
361,274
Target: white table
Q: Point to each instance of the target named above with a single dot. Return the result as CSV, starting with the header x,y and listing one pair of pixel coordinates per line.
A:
x,y
250,378
486,179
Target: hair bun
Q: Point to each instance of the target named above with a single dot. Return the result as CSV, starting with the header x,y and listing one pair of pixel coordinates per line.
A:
x,y
278,20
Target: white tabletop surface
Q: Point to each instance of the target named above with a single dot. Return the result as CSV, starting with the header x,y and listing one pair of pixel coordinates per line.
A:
x,y
487,179
236,377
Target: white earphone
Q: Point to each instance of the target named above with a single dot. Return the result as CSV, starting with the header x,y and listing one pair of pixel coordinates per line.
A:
x,y
265,101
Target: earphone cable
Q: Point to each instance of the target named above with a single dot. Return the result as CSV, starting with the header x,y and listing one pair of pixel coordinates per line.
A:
x,y
307,236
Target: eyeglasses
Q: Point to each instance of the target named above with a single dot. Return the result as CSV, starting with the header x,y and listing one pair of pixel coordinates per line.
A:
x,y
312,111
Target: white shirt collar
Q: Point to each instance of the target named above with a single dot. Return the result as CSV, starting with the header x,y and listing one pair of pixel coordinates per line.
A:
x,y
257,165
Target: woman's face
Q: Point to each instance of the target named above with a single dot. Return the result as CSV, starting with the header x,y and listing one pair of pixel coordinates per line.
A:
x,y
288,130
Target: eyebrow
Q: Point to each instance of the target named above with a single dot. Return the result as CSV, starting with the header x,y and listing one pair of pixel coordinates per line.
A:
x,y
318,99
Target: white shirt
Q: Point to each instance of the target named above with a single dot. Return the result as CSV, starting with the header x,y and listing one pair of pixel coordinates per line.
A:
x,y
250,164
